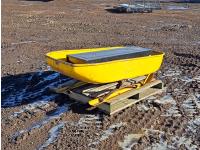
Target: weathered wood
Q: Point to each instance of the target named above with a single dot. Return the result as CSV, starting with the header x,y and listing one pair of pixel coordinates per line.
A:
x,y
139,95
138,79
71,84
99,88
64,86
134,92
95,90
78,97
119,102
128,102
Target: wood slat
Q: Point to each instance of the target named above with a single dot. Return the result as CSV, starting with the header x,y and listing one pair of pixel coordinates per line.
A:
x,y
119,102
134,91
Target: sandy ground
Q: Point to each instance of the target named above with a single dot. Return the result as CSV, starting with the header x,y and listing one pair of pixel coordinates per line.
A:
x,y
35,118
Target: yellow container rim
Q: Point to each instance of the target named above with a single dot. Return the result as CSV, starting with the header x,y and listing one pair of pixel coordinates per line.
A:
x,y
108,62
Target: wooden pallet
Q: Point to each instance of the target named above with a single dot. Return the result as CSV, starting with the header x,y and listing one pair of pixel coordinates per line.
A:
x,y
85,92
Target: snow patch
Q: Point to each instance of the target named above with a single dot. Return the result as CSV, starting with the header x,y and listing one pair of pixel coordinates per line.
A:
x,y
129,141
166,99
172,73
177,8
56,114
24,42
35,106
193,125
106,133
53,134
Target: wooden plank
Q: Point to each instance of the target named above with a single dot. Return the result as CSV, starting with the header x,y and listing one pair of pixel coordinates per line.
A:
x,y
129,102
148,92
100,88
78,97
68,86
122,101
113,108
138,79
64,86
134,91
105,108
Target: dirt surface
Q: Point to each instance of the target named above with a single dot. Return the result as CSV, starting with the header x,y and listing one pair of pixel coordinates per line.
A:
x,y
35,118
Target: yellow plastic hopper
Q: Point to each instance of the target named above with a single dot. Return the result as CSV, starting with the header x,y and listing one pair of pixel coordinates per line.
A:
x,y
103,71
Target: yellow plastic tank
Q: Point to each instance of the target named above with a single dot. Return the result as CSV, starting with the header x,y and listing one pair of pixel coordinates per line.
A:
x,y
104,72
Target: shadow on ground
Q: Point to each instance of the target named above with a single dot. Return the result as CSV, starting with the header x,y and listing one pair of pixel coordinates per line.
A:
x,y
116,11
38,0
30,87
34,88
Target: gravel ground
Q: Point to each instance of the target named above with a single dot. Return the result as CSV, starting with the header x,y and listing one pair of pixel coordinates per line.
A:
x,y
35,118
